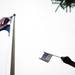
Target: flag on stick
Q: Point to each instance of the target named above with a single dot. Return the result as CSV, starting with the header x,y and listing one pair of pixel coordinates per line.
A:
x,y
46,57
5,24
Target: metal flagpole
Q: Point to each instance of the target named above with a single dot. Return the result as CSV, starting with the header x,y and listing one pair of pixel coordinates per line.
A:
x,y
12,68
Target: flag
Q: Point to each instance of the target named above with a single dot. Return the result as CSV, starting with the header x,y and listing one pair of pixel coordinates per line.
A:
x,y
7,28
4,24
46,57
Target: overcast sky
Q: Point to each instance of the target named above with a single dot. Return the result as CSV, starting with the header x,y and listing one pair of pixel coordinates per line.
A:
x,y
38,29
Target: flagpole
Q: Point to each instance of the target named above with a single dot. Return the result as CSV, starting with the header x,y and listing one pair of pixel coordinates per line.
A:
x,y
12,68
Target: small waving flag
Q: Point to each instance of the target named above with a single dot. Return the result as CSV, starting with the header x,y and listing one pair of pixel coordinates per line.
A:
x,y
46,57
4,24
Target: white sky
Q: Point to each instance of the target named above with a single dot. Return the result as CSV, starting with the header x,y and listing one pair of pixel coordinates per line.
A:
x,y
40,29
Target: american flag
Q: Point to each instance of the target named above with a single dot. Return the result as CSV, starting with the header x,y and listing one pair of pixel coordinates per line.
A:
x,y
4,24
46,57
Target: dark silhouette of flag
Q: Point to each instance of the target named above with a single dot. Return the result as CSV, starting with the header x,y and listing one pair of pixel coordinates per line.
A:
x,y
46,57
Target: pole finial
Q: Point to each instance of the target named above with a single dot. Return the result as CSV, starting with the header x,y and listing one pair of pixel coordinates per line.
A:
x,y
14,14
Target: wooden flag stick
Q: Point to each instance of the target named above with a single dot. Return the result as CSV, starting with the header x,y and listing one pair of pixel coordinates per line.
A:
x,y
12,69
